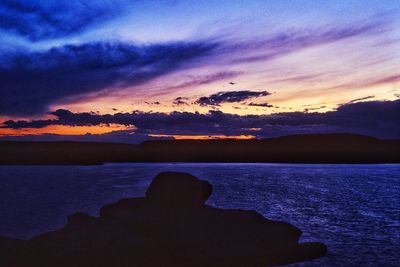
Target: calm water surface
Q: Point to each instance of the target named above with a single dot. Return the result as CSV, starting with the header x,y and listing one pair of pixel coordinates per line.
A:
x,y
354,209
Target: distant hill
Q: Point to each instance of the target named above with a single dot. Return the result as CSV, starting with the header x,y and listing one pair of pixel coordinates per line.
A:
x,y
312,148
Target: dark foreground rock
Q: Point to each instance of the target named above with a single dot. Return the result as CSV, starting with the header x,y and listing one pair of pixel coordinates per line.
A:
x,y
170,227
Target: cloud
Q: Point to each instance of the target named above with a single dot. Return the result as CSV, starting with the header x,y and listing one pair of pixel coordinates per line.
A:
x,y
204,79
266,105
285,42
152,103
360,99
316,108
229,97
42,20
31,81
375,118
180,101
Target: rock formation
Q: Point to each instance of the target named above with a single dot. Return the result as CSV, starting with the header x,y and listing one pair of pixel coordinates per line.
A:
x,y
170,227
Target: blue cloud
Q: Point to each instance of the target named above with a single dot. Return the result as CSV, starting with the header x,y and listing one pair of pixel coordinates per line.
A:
x,y
42,20
31,81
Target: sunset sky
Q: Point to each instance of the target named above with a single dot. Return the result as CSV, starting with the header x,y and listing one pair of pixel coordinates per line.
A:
x,y
128,70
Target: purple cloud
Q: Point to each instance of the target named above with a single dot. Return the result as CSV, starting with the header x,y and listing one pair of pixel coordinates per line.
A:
x,y
375,118
229,97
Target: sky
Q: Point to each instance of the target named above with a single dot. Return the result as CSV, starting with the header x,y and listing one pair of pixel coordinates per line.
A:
x,y
129,70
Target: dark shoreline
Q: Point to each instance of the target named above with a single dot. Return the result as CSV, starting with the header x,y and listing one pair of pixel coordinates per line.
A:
x,y
301,149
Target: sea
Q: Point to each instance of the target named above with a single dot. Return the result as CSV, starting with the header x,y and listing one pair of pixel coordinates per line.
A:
x,y
353,208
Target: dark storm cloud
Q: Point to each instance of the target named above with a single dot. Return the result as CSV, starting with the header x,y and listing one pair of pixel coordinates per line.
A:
x,y
375,118
46,19
229,97
30,82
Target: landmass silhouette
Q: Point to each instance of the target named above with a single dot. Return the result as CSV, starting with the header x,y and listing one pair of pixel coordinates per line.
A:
x,y
311,148
170,227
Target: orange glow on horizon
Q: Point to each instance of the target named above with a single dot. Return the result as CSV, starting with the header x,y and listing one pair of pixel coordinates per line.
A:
x,y
204,137
65,130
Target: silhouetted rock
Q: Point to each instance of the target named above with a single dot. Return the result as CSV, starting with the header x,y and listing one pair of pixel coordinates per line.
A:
x,y
177,191
169,227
